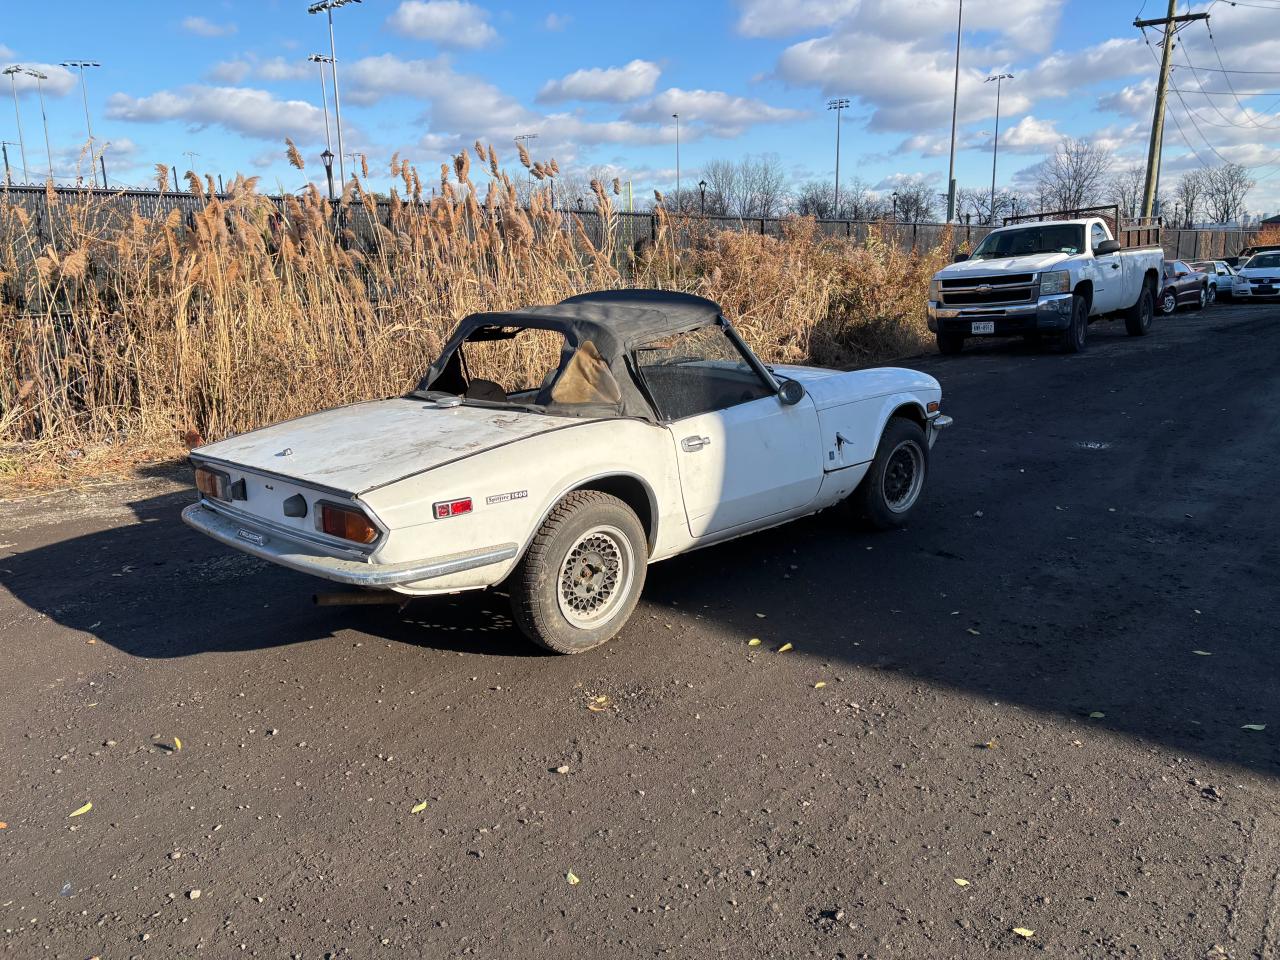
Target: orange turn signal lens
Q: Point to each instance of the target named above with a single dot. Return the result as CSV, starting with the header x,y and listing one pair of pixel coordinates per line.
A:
x,y
347,523
934,406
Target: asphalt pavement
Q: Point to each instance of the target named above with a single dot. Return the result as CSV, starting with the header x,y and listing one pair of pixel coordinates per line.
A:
x,y
1044,718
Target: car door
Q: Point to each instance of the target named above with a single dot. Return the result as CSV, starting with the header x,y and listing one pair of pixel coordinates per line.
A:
x,y
743,455
1188,282
1107,282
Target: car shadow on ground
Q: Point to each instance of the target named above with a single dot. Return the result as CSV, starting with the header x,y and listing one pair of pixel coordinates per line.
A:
x,y
878,602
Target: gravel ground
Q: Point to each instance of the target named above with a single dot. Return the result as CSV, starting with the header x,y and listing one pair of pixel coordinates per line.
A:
x,y
1032,714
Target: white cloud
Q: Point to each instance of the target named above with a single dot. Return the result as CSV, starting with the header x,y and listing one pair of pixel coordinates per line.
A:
x,y
207,28
446,22
556,21
243,110
769,18
273,69
723,114
610,84
230,71
1029,135
58,81
278,68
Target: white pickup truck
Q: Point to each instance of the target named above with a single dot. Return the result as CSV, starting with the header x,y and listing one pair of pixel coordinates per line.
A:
x,y
1050,277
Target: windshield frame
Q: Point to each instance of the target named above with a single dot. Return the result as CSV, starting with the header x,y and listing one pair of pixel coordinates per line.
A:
x,y
997,235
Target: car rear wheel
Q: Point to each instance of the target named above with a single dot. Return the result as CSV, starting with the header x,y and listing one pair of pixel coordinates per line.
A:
x,y
1201,299
895,481
1137,319
582,575
1168,301
950,343
1213,293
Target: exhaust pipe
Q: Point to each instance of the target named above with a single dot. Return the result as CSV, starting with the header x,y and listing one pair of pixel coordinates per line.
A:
x,y
350,598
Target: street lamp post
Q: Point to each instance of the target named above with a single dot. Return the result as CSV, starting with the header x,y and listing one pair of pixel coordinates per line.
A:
x,y
48,150
702,198
327,6
321,60
995,142
676,118
12,72
524,138
837,105
88,124
955,102
895,206
327,159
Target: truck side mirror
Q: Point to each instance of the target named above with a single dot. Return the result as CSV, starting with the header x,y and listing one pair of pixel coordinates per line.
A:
x,y
1107,247
960,258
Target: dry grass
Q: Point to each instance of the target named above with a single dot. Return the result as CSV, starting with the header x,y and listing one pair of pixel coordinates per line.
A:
x,y
126,337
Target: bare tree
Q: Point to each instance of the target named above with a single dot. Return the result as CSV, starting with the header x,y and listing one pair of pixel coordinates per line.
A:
x,y
755,186
917,201
975,203
1125,189
1225,190
1189,193
1076,175
817,198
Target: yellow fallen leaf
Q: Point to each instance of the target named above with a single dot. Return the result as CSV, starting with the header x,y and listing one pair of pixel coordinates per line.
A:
x,y
85,809
419,807
1024,932
601,699
820,684
572,878
784,648
1096,715
177,744
961,882
597,707
991,745
3,825
753,642
1202,653
1254,726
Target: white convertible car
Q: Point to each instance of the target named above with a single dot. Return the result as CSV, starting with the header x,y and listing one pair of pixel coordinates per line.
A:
x,y
658,432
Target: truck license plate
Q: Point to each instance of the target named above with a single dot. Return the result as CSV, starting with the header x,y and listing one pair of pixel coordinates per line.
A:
x,y
983,326
1267,289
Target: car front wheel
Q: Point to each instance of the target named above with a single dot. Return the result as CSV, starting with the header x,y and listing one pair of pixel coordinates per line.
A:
x,y
582,575
895,481
1168,301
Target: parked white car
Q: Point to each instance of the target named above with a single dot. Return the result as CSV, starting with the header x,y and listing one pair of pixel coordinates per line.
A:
x,y
658,432
1257,277
1052,277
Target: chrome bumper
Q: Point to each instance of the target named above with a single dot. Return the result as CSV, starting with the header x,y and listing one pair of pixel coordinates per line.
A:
x,y
277,549
936,425
1051,312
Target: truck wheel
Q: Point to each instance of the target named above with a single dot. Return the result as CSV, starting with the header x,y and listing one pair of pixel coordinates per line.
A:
x,y
893,484
950,344
1137,319
582,575
1204,299
1074,337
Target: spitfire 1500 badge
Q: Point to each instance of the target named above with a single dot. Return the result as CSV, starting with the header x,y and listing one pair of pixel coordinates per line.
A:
x,y
504,497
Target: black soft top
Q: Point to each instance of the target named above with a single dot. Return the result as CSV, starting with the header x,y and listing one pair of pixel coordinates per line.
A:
x,y
614,322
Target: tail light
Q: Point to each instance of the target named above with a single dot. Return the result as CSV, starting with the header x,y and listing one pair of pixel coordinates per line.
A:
x,y
347,523
213,483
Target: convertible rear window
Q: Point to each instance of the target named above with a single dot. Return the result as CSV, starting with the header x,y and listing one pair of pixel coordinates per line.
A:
x,y
697,372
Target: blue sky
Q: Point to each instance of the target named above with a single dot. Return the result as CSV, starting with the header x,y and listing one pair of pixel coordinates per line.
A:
x,y
597,83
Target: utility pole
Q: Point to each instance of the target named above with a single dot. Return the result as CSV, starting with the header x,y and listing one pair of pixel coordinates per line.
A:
x,y
955,102
327,6
88,124
321,60
12,73
995,143
837,105
1171,23
676,117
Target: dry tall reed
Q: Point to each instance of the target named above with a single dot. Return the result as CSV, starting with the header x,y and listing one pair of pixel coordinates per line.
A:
x,y
121,335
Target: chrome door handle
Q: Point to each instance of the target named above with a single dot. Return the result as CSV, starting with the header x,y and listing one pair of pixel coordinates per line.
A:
x,y
693,444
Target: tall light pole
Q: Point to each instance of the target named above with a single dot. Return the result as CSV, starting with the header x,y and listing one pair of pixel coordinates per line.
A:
x,y
40,78
88,124
8,174
676,118
837,105
999,78
191,159
12,73
327,6
955,102
524,138
321,60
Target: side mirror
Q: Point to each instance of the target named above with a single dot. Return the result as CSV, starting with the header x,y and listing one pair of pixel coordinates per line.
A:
x,y
790,392
1107,247
960,258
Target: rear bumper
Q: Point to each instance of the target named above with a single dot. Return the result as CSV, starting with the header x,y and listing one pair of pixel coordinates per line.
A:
x,y
1047,313
269,545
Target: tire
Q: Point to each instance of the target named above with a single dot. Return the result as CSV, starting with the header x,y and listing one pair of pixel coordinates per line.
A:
x,y
949,344
1168,302
895,481
1202,301
1073,340
568,614
1137,319
1213,293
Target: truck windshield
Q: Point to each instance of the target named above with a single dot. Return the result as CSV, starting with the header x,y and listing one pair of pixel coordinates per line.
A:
x,y
1042,238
